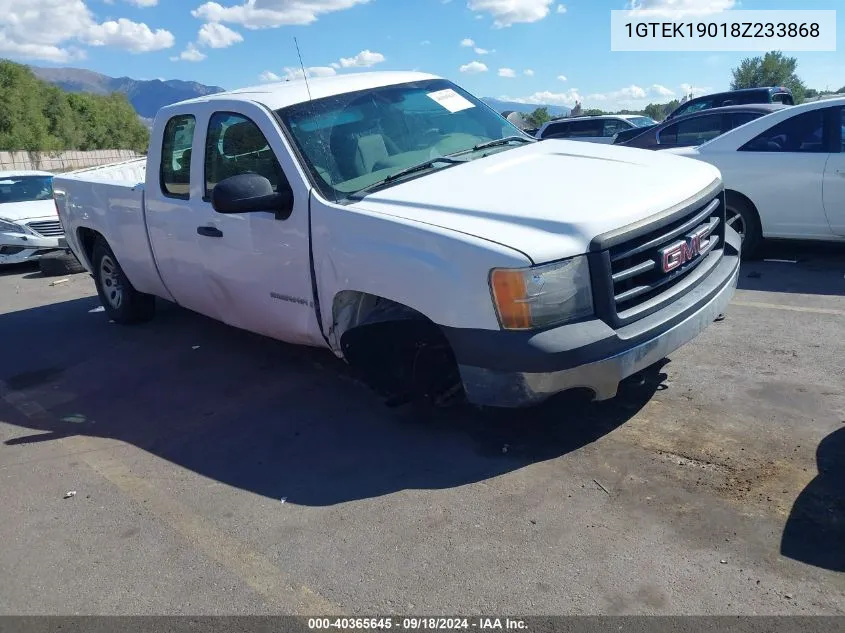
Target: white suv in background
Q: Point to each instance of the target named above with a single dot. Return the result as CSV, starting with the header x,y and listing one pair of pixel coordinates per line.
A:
x,y
594,129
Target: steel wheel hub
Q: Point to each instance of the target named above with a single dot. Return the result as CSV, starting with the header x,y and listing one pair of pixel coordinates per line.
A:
x,y
110,281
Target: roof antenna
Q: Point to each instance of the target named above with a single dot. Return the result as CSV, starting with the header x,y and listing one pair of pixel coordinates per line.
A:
x,y
304,74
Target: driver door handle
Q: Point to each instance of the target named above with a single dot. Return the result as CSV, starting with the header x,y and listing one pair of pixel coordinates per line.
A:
x,y
209,231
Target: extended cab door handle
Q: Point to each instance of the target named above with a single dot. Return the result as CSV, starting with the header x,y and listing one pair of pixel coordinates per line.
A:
x,y
209,231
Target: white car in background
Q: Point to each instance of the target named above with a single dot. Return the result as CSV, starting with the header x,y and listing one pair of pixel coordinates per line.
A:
x,y
784,173
29,222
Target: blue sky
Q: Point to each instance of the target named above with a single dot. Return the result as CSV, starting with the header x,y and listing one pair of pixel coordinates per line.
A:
x,y
529,50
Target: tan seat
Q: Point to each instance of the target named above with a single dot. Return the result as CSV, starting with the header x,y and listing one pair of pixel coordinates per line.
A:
x,y
371,150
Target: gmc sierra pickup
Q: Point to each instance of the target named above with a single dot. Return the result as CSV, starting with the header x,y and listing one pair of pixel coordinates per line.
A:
x,y
400,222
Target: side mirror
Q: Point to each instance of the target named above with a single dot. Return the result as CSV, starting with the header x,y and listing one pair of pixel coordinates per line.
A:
x,y
246,193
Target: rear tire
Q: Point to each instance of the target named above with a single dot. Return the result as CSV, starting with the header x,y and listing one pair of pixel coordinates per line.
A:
x,y
122,303
61,263
743,218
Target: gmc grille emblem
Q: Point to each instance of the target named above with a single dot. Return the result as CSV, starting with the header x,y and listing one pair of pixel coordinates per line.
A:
x,y
693,245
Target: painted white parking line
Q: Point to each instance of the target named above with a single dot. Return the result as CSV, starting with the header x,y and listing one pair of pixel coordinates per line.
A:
x,y
780,306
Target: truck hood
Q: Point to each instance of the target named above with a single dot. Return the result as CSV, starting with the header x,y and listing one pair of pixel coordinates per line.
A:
x,y
547,199
17,211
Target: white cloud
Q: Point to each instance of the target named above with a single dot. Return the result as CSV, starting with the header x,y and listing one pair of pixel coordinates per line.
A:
x,y
364,59
509,73
55,30
694,90
473,68
630,93
132,36
215,35
268,76
142,3
661,91
631,97
562,78
680,7
263,14
561,8
546,97
190,54
291,74
528,72
467,43
483,51
508,12
425,42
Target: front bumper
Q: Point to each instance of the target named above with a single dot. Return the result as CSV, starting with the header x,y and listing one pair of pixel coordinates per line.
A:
x,y
16,248
516,369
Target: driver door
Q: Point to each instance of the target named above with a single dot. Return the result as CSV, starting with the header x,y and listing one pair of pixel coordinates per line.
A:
x,y
257,265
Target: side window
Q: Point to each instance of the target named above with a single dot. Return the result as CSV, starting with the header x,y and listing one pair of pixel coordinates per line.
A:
x,y
556,130
741,118
175,170
693,131
695,106
586,129
782,97
803,133
614,126
842,131
235,145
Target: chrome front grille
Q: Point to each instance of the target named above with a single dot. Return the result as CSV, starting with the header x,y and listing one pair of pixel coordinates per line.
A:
x,y
644,270
48,228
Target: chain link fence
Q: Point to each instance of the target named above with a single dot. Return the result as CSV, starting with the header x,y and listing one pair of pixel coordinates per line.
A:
x,y
58,162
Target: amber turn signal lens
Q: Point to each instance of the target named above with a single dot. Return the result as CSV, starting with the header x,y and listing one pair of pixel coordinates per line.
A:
x,y
509,294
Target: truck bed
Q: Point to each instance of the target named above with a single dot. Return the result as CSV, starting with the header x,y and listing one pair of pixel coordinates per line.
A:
x,y
109,201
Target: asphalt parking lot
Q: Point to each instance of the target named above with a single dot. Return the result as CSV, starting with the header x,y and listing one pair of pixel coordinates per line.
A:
x,y
217,472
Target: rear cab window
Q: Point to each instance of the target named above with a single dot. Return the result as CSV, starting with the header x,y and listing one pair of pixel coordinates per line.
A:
x,y
175,169
556,130
586,129
614,126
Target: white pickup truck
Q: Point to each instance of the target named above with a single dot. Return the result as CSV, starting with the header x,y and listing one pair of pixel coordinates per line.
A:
x,y
400,222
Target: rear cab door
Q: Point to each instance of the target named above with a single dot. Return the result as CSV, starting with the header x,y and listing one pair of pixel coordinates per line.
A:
x,y
171,208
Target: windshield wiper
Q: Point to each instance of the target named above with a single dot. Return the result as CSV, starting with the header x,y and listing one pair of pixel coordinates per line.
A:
x,y
411,170
504,141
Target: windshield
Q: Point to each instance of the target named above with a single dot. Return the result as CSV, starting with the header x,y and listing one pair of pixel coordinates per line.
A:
x,y
25,188
642,121
353,141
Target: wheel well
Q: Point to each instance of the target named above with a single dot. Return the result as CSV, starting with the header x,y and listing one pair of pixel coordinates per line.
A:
x,y
398,351
730,193
87,237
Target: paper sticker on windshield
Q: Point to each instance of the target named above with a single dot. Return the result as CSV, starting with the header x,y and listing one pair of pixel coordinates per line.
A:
x,y
450,100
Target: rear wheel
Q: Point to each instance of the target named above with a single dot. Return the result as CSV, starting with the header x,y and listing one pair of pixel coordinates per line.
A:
x,y
122,303
742,218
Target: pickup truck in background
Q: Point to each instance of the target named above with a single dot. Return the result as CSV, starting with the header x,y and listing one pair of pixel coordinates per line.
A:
x,y
384,216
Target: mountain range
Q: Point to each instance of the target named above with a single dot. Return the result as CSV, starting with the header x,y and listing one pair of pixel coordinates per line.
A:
x,y
147,96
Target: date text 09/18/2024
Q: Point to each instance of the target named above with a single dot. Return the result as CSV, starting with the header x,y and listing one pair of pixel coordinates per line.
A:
x,y
417,624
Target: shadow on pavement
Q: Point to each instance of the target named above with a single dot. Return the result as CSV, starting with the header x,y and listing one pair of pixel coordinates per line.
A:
x,y
274,419
815,530
796,267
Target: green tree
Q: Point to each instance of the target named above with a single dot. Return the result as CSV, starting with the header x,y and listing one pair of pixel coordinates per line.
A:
x,y
593,112
811,93
538,117
773,69
841,90
36,116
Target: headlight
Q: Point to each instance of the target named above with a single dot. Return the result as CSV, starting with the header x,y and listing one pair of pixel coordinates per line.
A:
x,y
10,227
543,295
